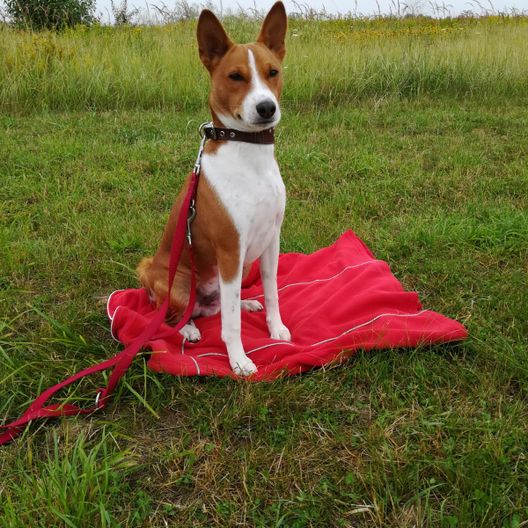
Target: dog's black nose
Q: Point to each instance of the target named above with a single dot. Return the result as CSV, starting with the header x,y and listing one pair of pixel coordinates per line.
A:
x,y
266,108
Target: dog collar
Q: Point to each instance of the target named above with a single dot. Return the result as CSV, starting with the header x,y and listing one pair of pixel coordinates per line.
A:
x,y
264,137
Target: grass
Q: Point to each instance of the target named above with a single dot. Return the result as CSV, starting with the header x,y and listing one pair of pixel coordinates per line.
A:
x,y
333,61
435,181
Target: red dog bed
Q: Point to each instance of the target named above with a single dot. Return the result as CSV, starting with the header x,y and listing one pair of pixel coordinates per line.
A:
x,y
335,301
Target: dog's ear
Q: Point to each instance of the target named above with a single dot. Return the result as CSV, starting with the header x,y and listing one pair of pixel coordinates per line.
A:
x,y
273,30
213,41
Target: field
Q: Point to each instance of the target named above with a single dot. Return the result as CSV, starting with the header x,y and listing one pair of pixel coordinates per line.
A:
x,y
413,133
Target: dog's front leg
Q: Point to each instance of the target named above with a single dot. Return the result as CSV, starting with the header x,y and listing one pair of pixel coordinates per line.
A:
x,y
231,320
268,269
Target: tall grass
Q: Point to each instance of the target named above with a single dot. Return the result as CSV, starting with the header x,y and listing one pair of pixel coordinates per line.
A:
x,y
340,60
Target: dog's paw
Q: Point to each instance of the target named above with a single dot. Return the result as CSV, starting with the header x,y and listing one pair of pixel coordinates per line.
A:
x,y
280,332
243,367
190,332
251,305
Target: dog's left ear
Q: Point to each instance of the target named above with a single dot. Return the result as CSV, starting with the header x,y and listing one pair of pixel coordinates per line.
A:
x,y
273,30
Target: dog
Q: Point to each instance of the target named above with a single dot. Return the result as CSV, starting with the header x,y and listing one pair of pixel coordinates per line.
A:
x,y
241,197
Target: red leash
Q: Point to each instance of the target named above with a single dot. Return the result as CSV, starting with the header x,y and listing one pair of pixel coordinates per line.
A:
x,y
121,361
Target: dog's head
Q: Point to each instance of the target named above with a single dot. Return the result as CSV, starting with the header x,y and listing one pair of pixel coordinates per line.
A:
x,y
246,79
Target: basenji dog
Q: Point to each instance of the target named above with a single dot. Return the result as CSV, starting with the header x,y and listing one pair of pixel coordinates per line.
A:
x,y
240,198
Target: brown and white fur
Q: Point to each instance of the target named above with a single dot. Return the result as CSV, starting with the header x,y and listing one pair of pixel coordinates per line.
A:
x,y
241,196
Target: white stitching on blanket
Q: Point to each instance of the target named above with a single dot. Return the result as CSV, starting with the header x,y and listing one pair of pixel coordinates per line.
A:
x,y
197,366
112,325
357,327
365,324
346,268
108,305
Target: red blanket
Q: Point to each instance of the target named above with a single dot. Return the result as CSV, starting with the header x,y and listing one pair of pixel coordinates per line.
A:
x,y
335,301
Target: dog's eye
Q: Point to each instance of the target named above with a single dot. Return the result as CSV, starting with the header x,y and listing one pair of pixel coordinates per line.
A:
x,y
273,72
235,76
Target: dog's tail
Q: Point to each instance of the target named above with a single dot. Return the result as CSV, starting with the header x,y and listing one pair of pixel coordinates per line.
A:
x,y
143,273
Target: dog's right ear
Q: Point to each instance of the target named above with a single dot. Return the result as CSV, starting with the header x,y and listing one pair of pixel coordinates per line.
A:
x,y
213,42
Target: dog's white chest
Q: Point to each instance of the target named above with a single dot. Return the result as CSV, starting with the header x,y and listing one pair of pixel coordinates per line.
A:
x,y
247,180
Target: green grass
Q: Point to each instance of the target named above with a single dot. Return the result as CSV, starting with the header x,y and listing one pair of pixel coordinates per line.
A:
x,y
436,183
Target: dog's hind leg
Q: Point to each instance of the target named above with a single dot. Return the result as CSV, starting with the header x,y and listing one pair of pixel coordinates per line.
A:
x,y
190,332
250,305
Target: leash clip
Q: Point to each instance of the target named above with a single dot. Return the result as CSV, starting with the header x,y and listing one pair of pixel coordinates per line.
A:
x,y
201,132
204,126
190,218
197,167
207,127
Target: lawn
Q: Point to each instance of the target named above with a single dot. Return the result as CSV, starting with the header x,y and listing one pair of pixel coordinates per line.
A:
x,y
412,133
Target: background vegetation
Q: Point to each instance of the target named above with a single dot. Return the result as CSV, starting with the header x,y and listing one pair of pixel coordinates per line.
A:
x,y
49,14
332,62
413,133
